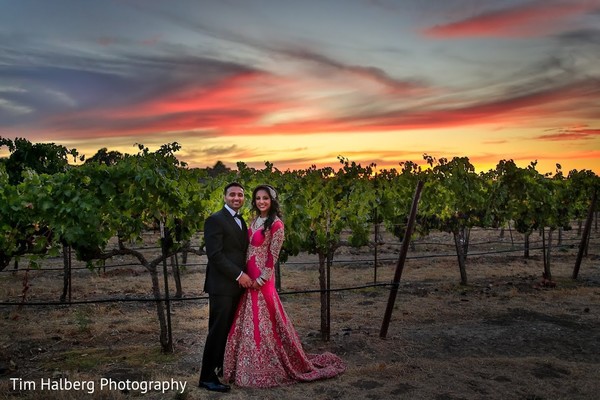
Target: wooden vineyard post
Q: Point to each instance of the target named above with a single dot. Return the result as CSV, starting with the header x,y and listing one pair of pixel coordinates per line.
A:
x,y
328,293
67,265
401,259
167,347
586,234
375,260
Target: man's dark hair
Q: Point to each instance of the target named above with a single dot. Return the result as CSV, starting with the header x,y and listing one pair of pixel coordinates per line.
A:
x,y
232,184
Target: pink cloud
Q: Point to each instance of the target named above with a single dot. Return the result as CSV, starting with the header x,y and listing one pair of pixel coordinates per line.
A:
x,y
531,19
106,41
569,134
514,110
225,106
244,104
151,41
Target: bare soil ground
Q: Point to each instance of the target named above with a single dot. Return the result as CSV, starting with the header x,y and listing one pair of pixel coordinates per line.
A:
x,y
505,335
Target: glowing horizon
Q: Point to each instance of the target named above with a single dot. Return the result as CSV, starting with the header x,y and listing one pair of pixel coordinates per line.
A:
x,y
286,84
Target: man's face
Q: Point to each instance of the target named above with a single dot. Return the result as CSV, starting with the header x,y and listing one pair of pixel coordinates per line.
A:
x,y
234,197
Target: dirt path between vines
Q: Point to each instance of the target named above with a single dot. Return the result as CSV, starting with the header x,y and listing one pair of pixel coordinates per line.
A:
x,y
503,336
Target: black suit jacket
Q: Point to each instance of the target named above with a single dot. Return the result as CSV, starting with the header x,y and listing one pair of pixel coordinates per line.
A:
x,y
226,246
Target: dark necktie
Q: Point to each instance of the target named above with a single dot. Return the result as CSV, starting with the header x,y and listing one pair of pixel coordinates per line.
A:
x,y
238,219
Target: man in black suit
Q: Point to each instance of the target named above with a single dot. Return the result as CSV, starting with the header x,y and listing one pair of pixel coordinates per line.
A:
x,y
226,239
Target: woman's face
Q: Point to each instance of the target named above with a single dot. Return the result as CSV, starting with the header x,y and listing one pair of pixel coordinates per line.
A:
x,y
263,202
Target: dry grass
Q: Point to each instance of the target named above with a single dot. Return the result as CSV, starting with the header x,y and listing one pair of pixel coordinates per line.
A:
x,y
501,337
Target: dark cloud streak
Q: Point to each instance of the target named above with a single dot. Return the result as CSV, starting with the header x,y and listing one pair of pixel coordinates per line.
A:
x,y
582,36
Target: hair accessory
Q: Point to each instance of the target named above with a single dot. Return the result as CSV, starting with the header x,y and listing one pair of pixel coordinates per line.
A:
x,y
272,192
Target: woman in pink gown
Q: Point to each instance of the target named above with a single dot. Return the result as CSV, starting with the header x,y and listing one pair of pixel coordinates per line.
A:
x,y
263,348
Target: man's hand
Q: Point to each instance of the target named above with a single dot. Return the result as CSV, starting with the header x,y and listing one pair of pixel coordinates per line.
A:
x,y
245,281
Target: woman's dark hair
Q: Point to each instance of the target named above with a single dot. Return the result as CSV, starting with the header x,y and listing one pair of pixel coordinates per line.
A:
x,y
274,211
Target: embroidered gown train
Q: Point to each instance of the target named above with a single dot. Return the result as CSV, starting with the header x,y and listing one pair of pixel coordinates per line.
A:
x,y
263,348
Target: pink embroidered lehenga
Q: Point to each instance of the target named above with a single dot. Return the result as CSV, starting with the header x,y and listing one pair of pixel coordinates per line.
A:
x,y
263,348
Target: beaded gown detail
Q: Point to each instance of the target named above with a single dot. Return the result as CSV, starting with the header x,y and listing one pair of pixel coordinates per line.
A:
x,y
263,348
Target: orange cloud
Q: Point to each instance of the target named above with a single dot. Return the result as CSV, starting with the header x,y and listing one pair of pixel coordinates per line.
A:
x,y
546,162
582,155
525,20
511,110
226,105
570,134
227,93
243,104
495,142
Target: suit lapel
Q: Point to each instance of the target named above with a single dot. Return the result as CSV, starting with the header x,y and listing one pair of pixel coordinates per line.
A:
x,y
244,226
234,227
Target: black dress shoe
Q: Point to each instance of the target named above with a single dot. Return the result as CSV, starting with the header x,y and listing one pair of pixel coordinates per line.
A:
x,y
215,386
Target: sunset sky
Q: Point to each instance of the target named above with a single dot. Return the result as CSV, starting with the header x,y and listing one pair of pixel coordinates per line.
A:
x,y
298,83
